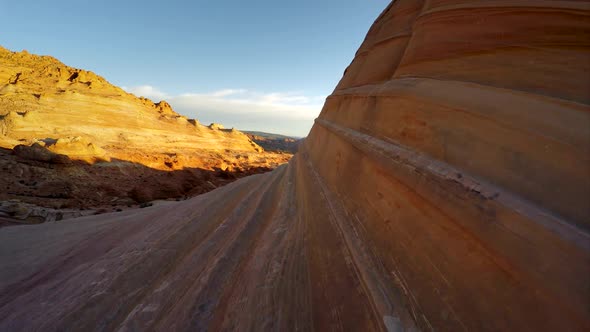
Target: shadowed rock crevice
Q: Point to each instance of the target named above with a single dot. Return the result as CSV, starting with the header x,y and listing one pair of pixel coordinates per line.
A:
x,y
73,77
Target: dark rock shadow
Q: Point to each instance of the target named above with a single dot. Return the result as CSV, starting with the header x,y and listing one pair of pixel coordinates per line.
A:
x,y
105,186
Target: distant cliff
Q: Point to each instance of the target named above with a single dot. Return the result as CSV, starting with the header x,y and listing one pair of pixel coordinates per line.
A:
x,y
274,142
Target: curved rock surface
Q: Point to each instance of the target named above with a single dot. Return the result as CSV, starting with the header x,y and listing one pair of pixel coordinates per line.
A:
x,y
445,186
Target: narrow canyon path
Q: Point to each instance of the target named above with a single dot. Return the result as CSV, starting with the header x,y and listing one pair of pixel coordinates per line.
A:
x,y
246,256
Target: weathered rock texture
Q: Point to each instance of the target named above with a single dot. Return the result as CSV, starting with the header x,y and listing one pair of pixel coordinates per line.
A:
x,y
443,187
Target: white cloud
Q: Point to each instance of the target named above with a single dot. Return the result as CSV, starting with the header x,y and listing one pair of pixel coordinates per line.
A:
x,y
290,113
147,91
227,92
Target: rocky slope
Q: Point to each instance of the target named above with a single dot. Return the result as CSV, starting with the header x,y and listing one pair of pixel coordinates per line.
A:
x,y
443,187
71,128
42,99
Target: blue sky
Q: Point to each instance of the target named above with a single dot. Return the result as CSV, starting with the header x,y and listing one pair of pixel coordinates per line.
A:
x,y
258,64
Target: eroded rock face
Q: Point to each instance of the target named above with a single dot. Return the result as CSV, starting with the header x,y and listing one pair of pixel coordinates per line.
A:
x,y
441,188
457,145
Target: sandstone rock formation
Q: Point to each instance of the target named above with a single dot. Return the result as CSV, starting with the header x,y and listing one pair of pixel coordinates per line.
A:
x,y
443,187
43,99
51,113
